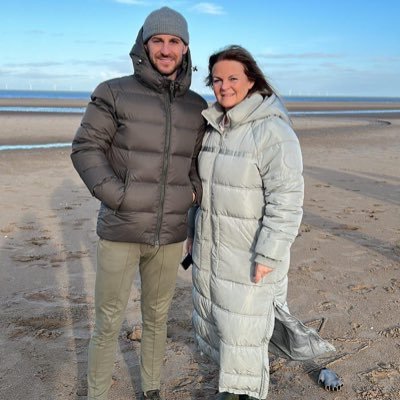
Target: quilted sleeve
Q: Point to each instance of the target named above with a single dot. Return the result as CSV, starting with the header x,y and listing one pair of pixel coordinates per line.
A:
x,y
281,167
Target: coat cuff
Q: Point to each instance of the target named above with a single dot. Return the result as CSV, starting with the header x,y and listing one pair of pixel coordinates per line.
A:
x,y
269,262
274,249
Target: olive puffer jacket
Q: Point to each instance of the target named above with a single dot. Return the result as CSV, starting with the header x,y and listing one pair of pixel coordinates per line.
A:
x,y
136,151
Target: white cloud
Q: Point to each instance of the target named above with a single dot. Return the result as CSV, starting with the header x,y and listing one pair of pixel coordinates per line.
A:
x,y
208,8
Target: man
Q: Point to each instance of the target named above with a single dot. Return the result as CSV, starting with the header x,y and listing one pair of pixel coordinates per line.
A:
x,y
136,152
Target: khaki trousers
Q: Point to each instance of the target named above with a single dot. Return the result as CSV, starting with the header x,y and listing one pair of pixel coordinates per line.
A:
x,y
117,264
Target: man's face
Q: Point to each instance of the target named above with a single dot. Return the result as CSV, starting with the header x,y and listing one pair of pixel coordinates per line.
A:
x,y
166,54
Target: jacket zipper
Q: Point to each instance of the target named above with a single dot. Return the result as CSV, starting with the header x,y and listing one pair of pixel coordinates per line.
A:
x,y
168,98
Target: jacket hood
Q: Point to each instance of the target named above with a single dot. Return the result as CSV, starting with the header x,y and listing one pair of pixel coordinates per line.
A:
x,y
250,109
149,76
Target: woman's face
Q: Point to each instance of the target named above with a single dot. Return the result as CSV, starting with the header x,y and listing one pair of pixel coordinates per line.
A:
x,y
230,83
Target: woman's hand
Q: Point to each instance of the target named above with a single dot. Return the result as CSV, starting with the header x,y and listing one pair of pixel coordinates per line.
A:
x,y
260,271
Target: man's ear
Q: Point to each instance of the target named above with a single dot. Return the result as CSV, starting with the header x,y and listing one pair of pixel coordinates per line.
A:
x,y
185,49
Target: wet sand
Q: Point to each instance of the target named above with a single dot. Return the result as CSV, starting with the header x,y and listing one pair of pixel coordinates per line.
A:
x,y
344,276
292,105
33,102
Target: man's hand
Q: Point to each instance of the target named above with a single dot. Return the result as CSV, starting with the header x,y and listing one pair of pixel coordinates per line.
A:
x,y
260,271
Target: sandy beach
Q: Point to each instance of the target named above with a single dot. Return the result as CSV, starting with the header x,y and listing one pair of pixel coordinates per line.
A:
x,y
344,277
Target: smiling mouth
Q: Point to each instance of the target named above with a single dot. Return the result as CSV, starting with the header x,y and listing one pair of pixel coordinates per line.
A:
x,y
165,60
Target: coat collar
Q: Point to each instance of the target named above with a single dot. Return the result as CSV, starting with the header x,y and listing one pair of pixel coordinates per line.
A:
x,y
252,108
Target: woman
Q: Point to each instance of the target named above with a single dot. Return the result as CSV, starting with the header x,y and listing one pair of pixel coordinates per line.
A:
x,y
251,171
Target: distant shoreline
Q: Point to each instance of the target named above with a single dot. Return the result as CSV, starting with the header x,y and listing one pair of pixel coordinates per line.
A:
x,y
44,102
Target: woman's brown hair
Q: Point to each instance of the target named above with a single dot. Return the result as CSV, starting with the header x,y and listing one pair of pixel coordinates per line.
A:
x,y
251,69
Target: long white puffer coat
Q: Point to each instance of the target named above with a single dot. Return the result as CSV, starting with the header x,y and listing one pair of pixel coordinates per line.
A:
x,y
251,172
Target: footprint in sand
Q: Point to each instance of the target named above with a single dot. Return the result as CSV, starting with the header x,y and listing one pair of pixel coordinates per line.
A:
x,y
394,285
385,379
326,305
38,241
393,332
51,323
361,288
29,258
396,247
40,296
29,227
346,227
10,228
80,223
59,295
305,228
42,327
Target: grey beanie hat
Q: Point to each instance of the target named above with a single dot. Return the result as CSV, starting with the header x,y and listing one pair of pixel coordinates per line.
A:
x,y
165,21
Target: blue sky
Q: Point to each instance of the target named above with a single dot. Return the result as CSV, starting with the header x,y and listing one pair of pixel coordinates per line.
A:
x,y
305,47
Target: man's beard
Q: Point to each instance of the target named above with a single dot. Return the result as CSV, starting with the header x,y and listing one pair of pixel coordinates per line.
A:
x,y
169,74
177,69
